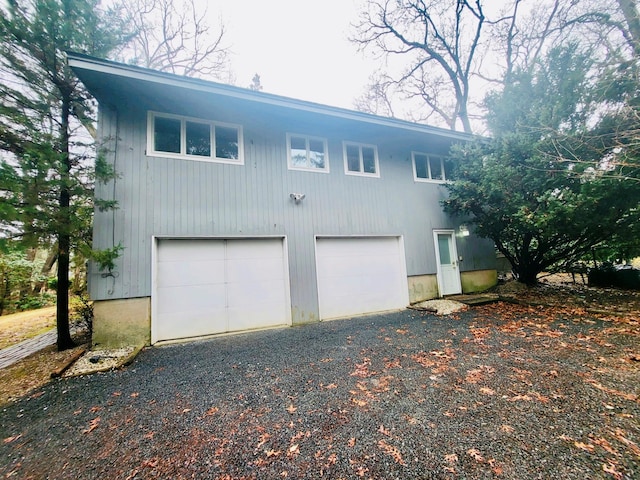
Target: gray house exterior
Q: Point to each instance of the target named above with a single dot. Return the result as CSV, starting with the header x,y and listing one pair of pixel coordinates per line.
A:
x,y
240,210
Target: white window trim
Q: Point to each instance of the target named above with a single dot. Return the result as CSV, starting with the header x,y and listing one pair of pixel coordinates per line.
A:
x,y
360,173
307,138
151,152
429,156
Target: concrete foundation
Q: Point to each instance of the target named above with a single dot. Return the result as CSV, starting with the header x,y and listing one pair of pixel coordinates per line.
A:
x,y
478,280
119,323
422,287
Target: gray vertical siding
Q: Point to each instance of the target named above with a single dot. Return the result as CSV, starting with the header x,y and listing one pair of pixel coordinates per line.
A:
x,y
175,197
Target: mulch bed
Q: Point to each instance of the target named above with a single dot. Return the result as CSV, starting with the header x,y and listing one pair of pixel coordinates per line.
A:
x,y
499,391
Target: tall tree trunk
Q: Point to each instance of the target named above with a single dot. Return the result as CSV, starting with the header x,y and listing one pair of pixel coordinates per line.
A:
x,y
64,234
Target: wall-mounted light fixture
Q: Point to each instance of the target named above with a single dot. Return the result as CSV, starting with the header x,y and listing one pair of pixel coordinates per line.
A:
x,y
297,197
464,230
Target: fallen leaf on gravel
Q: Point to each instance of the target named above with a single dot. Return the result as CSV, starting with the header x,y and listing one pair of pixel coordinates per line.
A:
x,y
507,428
487,391
451,458
95,409
212,411
92,425
599,386
116,394
331,386
619,434
384,431
358,402
186,410
134,395
587,447
611,469
601,442
11,439
294,449
402,331
475,454
352,442
291,409
272,453
519,398
391,450
284,474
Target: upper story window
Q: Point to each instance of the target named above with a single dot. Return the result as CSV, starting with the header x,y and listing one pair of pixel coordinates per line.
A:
x,y
184,137
307,153
360,159
428,168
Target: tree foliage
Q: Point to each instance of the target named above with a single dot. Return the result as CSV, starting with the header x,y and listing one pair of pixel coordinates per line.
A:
x,y
45,183
533,188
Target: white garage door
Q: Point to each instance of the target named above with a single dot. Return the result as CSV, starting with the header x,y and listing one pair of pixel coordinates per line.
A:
x,y
360,275
206,286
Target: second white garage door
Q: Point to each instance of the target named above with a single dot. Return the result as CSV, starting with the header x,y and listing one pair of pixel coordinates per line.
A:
x,y
208,286
360,275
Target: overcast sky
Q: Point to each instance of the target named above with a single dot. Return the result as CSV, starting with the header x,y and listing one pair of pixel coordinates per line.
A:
x,y
299,48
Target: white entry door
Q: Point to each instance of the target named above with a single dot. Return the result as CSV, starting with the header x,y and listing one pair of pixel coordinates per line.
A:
x,y
209,286
360,275
447,259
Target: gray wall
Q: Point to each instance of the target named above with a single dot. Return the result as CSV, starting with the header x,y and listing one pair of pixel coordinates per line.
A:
x,y
175,197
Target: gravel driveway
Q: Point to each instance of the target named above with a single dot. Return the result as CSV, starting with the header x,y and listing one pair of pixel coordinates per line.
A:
x,y
496,392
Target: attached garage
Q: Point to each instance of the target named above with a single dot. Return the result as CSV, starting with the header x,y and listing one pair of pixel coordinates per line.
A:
x,y
359,275
209,286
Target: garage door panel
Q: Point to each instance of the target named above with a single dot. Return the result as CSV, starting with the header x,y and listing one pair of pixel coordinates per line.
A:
x,y
175,273
255,316
191,250
254,269
208,286
254,293
360,275
258,248
368,266
191,298
174,325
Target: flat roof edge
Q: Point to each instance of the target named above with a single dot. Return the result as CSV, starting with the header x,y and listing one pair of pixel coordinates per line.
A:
x,y
79,61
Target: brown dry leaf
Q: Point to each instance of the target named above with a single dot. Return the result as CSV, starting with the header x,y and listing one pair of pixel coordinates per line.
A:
x,y
507,428
587,447
519,398
272,453
212,411
186,410
487,391
331,386
619,434
294,449
423,359
11,439
392,451
263,439
451,458
116,394
352,442
611,469
384,431
603,443
135,395
599,386
475,454
449,414
402,331
92,425
358,402
95,409
291,409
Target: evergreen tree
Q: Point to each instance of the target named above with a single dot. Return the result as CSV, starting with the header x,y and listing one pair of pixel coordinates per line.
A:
x,y
45,118
539,188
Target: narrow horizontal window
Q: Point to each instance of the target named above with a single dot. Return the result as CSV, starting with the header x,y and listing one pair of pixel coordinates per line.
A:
x,y
428,168
361,159
307,153
184,137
